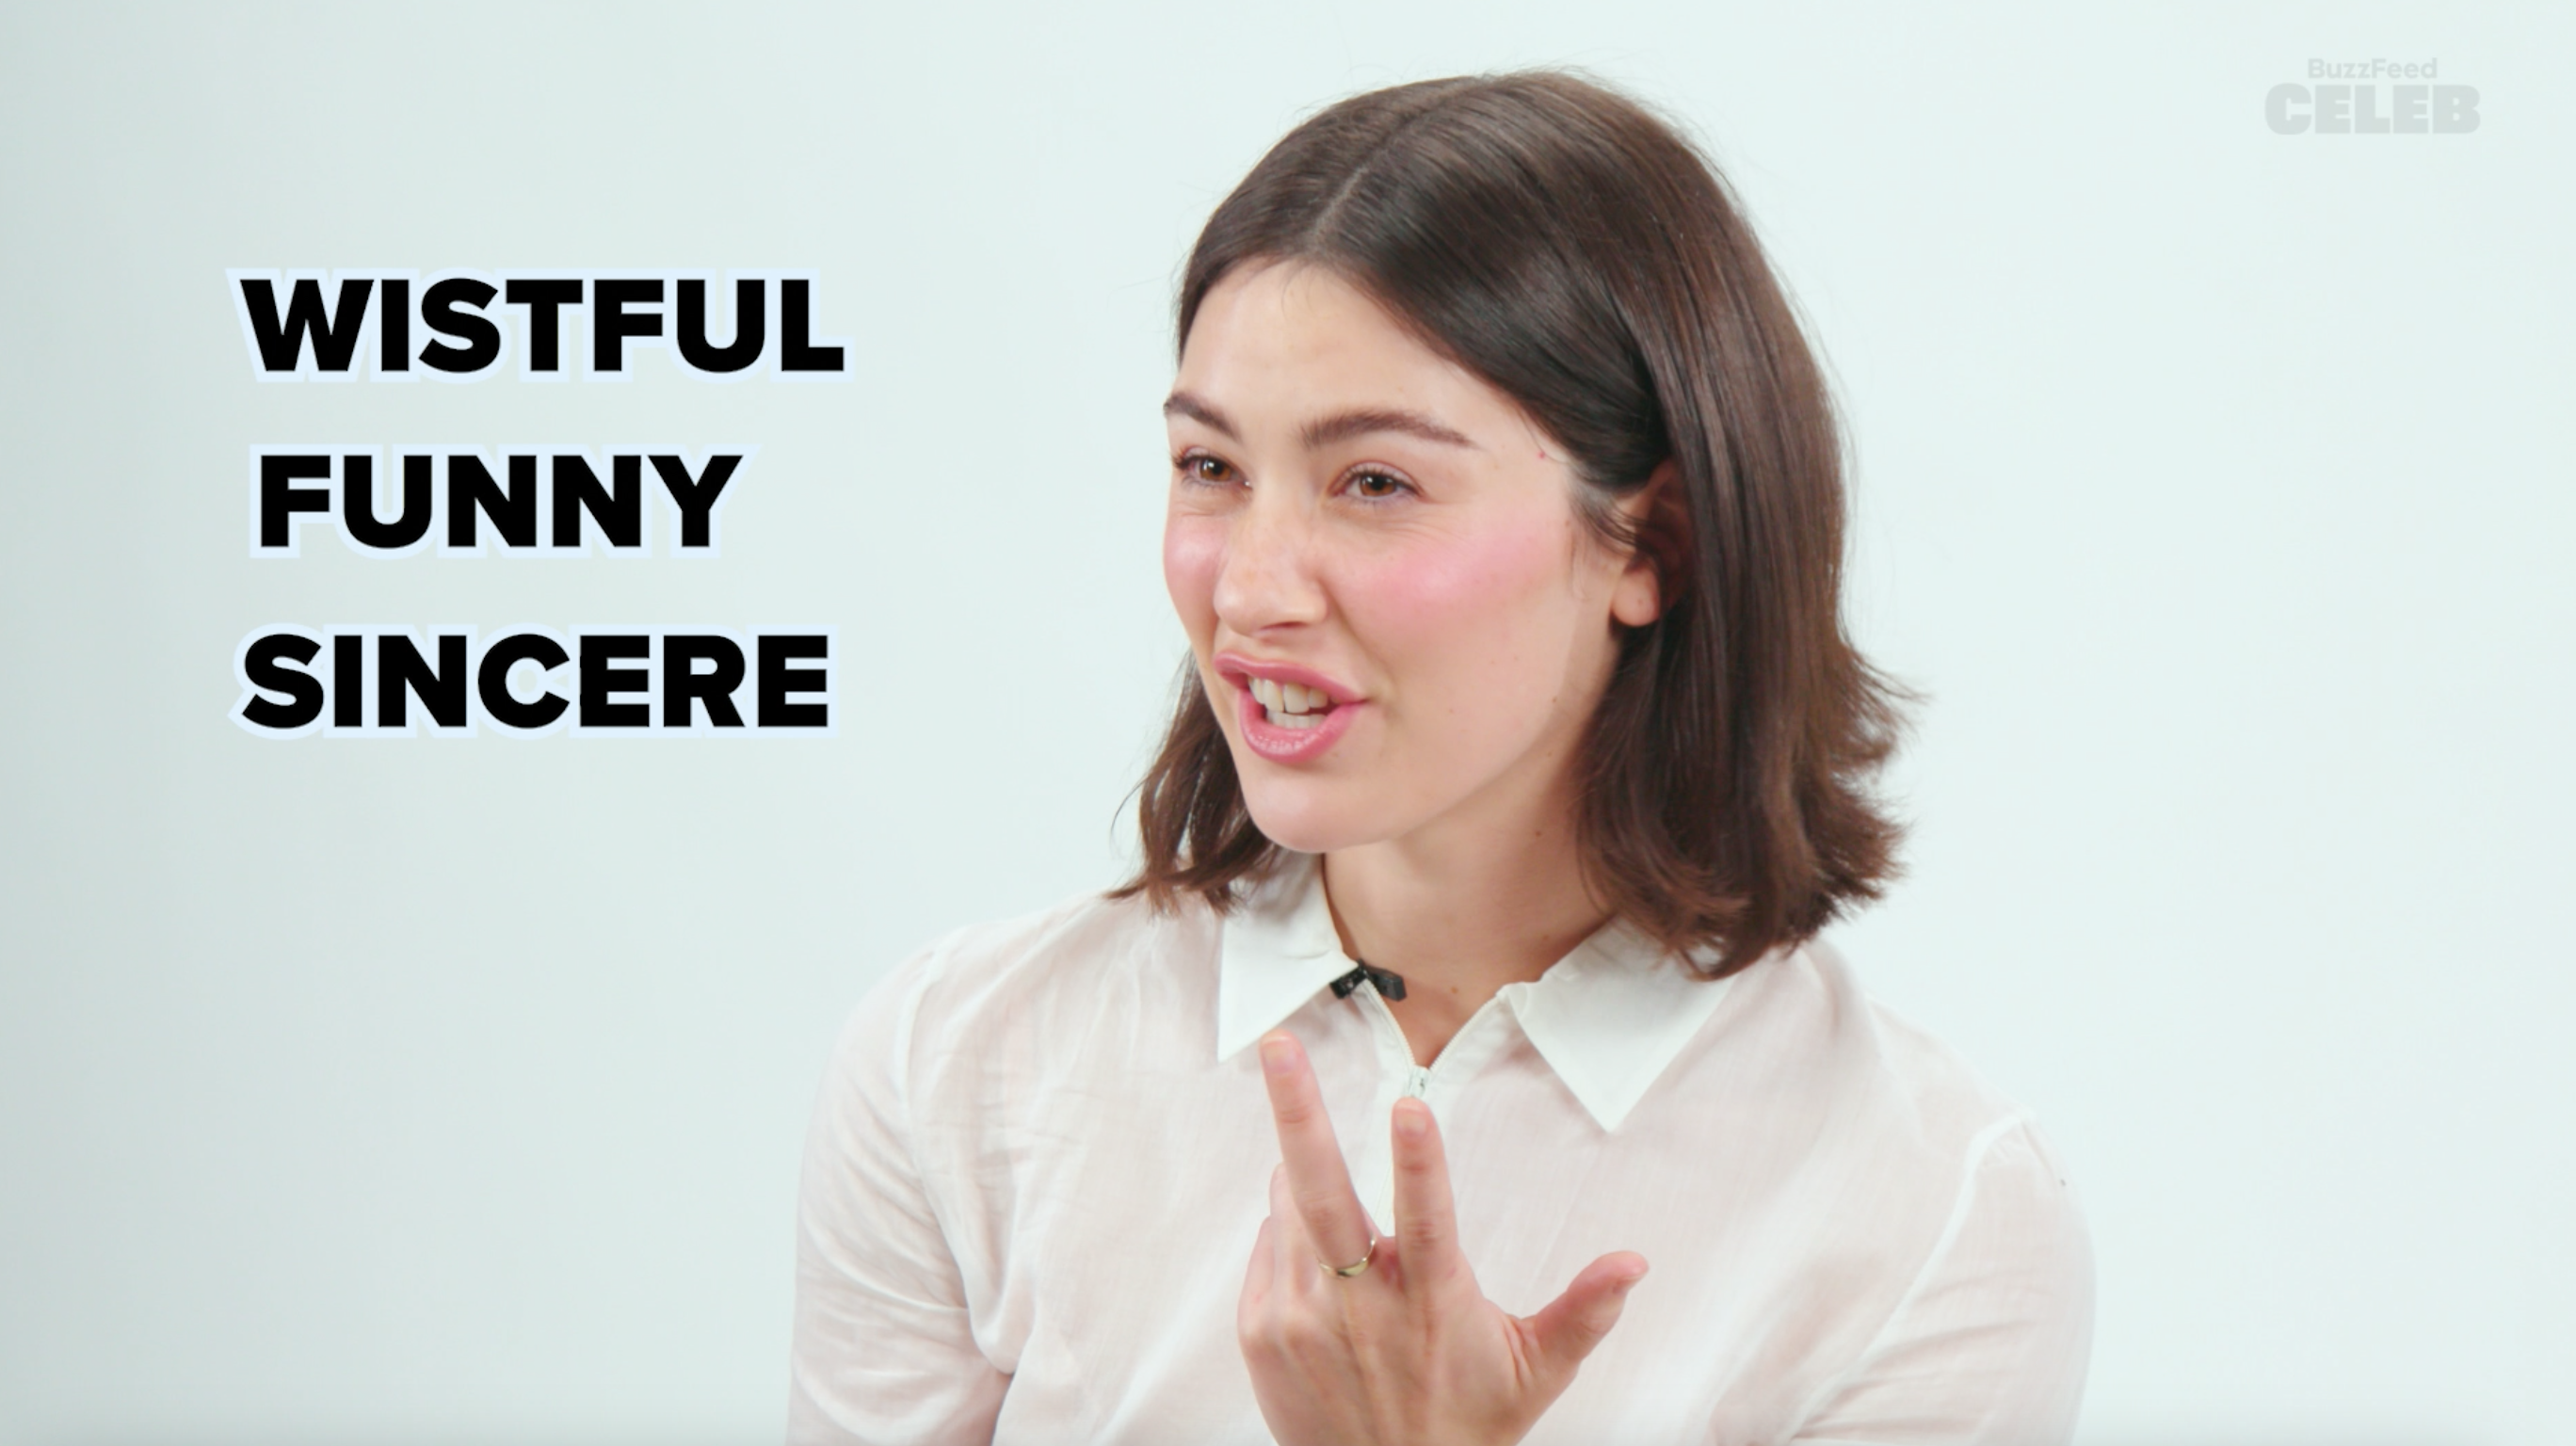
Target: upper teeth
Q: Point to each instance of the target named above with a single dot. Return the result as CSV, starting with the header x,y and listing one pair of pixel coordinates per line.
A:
x,y
1289,698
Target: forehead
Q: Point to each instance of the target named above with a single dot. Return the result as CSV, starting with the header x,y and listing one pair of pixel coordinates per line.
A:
x,y
1283,342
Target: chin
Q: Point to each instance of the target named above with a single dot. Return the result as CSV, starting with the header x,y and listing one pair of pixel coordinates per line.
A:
x,y
1312,816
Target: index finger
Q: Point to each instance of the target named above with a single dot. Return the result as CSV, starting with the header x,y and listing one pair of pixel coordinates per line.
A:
x,y
1318,1181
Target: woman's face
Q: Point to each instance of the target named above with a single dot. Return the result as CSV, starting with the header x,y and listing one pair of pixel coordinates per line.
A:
x,y
1400,620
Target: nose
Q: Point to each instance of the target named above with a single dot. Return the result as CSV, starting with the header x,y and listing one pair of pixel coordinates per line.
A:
x,y
1268,577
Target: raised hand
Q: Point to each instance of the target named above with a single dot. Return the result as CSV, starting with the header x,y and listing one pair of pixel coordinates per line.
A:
x,y
1354,1340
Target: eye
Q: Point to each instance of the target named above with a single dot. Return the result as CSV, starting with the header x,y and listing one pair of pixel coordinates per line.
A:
x,y
1206,468
1376,484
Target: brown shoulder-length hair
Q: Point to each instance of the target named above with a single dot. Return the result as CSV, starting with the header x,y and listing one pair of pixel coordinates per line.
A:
x,y
1564,244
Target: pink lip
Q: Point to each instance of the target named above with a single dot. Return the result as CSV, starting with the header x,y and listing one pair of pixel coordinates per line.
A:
x,y
1287,745
1234,668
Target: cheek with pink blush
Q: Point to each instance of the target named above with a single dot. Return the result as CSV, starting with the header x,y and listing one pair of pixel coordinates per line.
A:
x,y
1478,594
1193,555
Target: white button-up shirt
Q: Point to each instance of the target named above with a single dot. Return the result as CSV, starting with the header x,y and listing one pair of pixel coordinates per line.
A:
x,y
1044,1149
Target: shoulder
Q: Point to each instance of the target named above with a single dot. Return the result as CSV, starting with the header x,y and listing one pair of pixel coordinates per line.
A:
x,y
2004,1191
1983,1318
1889,1123
1036,984
1871,1060
1957,1251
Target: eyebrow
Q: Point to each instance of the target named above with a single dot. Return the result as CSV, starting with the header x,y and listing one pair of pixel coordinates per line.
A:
x,y
1324,431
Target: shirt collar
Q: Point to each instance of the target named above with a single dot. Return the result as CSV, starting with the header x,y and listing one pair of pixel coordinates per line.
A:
x,y
1609,1017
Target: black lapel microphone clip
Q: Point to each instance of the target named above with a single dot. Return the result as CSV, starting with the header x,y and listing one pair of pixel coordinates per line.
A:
x,y
1390,985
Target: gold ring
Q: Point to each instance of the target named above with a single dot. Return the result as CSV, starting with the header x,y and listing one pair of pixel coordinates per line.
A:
x,y
1356,1266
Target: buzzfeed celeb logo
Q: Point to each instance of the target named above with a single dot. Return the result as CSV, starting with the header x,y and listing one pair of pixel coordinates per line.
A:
x,y
2372,98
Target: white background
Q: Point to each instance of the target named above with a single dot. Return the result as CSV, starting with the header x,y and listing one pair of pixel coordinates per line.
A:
x,y
2213,485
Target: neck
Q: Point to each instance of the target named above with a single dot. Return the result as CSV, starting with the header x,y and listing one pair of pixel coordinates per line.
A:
x,y
1460,910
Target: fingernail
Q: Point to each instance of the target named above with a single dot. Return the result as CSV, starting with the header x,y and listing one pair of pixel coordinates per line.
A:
x,y
1412,1122
1278,1056
1631,1282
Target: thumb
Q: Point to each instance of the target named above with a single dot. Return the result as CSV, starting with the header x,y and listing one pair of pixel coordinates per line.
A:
x,y
1568,1327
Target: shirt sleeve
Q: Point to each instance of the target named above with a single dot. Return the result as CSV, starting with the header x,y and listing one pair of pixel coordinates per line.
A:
x,y
1991,1342
884,1350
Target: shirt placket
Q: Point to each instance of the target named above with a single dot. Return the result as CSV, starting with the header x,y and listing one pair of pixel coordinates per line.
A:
x,y
1437,1084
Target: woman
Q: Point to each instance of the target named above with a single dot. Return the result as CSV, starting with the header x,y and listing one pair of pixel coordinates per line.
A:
x,y
1522,757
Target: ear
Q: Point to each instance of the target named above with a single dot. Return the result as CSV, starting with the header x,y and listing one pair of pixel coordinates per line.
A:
x,y
1654,510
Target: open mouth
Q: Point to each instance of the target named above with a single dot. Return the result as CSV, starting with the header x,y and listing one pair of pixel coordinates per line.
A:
x,y
1289,705
1286,712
